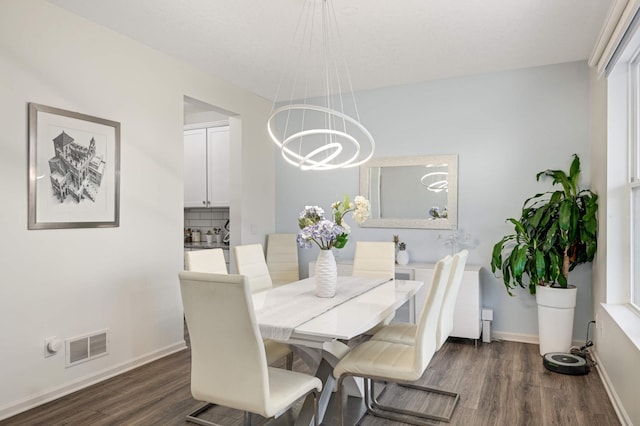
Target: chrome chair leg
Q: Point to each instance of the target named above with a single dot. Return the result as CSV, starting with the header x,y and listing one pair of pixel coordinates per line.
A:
x,y
446,418
193,416
394,413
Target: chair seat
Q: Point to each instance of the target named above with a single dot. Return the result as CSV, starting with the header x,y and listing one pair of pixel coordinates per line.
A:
x,y
285,388
380,359
275,350
397,332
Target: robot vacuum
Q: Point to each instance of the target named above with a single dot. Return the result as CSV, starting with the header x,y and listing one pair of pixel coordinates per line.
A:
x,y
565,363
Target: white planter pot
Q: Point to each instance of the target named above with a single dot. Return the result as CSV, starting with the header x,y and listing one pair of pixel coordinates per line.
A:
x,y
555,318
402,257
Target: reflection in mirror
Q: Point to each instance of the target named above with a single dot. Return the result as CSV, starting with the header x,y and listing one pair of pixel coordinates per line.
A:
x,y
411,192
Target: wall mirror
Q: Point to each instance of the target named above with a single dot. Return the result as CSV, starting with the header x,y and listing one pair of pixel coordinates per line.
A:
x,y
411,192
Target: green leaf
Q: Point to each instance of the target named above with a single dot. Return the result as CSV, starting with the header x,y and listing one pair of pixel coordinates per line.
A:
x,y
518,262
553,270
562,281
537,217
574,172
518,226
496,256
341,241
550,236
540,264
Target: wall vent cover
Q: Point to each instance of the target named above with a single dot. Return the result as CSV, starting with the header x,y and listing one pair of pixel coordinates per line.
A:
x,y
86,347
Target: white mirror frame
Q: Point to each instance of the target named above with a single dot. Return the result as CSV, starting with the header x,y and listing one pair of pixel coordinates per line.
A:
x,y
451,222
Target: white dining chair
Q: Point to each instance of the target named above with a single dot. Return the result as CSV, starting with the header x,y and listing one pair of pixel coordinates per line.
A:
x,y
445,325
377,360
282,258
209,260
228,360
375,259
251,263
212,261
401,332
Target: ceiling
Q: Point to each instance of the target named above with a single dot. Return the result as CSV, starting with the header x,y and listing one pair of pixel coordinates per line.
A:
x,y
387,43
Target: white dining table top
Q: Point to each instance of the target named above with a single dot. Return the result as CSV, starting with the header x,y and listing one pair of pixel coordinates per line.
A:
x,y
294,313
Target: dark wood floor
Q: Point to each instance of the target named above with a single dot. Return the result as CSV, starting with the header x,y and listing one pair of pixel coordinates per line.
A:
x,y
501,383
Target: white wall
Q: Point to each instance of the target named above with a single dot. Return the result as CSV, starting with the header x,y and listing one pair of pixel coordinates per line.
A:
x,y
69,282
505,127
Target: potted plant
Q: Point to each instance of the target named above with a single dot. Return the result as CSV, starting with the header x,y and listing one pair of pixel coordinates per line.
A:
x,y
216,231
402,256
556,232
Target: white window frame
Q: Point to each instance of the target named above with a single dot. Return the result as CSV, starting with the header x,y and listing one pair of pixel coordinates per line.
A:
x,y
629,61
634,165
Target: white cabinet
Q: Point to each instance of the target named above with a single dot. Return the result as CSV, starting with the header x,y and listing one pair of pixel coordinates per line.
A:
x,y
467,321
206,167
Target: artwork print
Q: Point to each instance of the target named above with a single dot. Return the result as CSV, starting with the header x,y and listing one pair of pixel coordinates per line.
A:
x,y
74,165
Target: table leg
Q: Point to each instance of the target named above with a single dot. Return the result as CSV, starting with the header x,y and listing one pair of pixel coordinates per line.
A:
x,y
324,373
412,309
331,354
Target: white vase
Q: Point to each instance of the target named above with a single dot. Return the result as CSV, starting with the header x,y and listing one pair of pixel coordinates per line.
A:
x,y
326,274
555,318
209,238
402,257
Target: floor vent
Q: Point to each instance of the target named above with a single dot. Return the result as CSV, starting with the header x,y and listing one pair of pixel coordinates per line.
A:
x,y
84,348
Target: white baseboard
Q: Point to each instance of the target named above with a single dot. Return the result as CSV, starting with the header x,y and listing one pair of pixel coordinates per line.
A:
x,y
613,396
40,398
515,337
524,338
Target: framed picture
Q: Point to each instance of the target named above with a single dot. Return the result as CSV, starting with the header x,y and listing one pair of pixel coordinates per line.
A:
x,y
74,170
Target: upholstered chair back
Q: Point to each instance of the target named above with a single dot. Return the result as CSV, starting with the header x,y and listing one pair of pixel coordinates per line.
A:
x,y
210,260
251,263
451,295
427,326
282,258
374,259
228,362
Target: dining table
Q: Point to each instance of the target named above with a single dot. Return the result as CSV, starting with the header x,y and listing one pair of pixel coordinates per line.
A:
x,y
319,328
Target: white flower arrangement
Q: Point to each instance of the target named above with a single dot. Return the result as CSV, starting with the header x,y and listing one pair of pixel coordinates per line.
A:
x,y
315,228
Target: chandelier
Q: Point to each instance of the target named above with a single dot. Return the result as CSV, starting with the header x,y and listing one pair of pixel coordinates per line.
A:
x,y
318,126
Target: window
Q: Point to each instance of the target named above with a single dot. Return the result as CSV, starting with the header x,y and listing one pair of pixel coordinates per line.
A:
x,y
624,150
634,166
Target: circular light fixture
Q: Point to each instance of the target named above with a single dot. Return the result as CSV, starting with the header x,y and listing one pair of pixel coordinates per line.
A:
x,y
323,153
313,130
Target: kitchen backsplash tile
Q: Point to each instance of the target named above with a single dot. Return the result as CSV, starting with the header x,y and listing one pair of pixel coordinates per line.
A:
x,y
204,219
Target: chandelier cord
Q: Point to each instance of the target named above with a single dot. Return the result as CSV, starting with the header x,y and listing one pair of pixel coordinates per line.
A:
x,y
339,128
